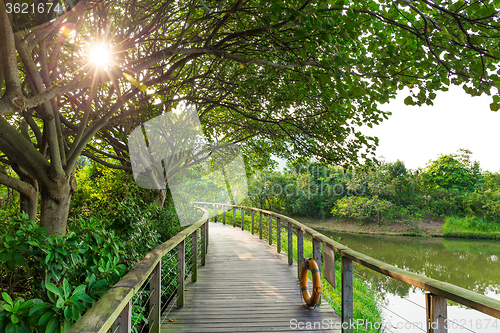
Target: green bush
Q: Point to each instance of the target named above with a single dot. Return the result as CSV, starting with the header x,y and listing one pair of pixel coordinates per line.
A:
x,y
361,208
60,276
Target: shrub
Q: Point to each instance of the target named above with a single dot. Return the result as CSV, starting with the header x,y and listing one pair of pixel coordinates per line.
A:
x,y
361,208
60,276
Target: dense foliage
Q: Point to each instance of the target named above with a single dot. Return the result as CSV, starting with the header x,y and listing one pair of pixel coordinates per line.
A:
x,y
49,281
451,185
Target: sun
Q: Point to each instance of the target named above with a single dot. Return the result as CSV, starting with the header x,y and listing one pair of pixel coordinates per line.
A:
x,y
100,55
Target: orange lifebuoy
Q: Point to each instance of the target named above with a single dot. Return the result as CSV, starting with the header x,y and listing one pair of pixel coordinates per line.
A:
x,y
310,264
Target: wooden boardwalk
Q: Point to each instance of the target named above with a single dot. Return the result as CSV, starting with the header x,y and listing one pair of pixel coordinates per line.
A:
x,y
246,286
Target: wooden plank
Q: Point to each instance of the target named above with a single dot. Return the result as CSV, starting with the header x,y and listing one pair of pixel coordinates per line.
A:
x,y
253,215
181,272
436,310
123,324
316,245
347,297
260,225
234,217
242,219
155,299
203,244
329,265
300,250
270,229
278,235
207,235
194,259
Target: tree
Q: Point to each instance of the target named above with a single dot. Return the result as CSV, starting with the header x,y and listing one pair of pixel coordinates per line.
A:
x,y
453,171
292,75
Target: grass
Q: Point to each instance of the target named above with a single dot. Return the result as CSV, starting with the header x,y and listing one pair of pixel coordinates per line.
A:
x,y
469,227
366,306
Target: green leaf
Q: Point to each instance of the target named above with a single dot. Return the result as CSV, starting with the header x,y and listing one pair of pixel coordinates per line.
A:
x,y
50,287
14,318
12,328
7,298
19,259
45,318
38,309
85,298
99,284
408,101
74,313
67,313
26,305
52,325
8,307
66,288
49,258
494,107
79,290
60,303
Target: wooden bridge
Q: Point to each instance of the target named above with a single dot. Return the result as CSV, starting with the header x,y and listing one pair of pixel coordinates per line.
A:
x,y
247,282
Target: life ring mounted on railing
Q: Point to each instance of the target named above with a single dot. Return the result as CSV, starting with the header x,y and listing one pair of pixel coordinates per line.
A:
x,y
310,264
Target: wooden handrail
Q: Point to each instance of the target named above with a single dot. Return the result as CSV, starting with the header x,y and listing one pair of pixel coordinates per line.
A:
x,y
449,291
105,312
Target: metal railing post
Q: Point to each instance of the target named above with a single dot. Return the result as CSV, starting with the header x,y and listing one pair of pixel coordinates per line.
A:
x,y
270,229
278,235
300,249
155,299
436,313
290,243
252,213
347,298
215,213
194,260
260,225
180,274
123,324
242,219
223,215
234,217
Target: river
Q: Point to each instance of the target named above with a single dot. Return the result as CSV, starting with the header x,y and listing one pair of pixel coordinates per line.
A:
x,y
468,263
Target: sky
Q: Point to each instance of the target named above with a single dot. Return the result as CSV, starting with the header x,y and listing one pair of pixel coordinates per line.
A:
x,y
416,134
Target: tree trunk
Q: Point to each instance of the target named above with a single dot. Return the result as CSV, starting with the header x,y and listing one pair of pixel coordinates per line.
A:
x,y
160,197
29,199
29,205
54,204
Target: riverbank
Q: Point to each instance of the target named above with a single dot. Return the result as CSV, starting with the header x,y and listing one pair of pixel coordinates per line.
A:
x,y
432,227
453,227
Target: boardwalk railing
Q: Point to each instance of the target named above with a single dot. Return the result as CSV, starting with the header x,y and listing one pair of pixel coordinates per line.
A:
x,y
324,247
114,311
